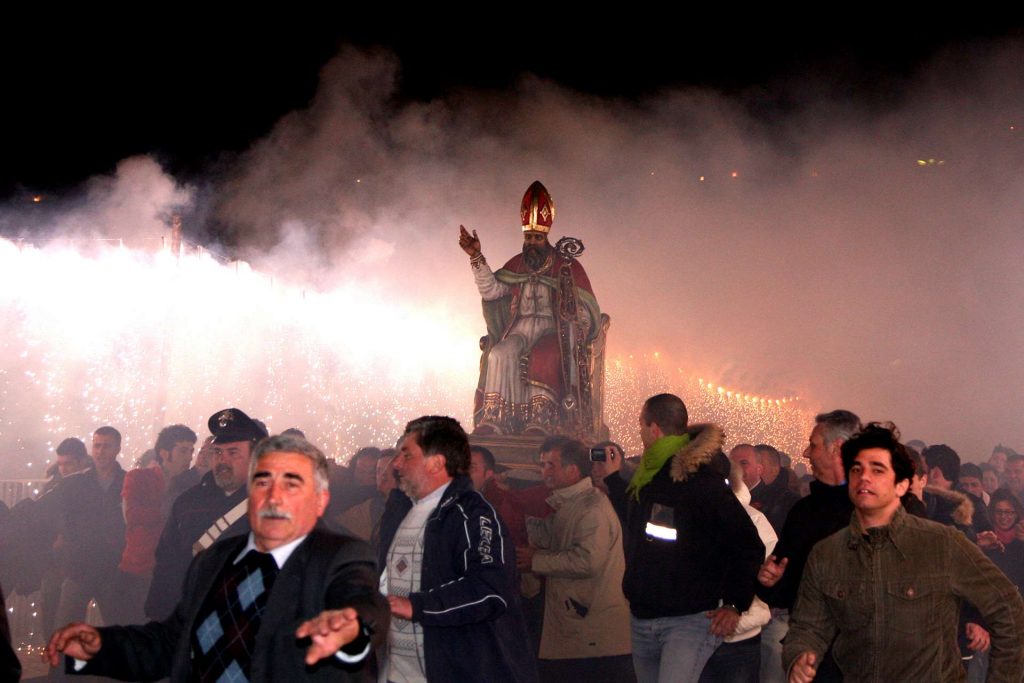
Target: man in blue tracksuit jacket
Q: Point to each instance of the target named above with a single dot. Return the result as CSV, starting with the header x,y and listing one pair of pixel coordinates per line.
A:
x,y
449,569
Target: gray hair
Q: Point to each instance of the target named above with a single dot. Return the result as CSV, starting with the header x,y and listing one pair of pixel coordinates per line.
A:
x,y
838,425
288,443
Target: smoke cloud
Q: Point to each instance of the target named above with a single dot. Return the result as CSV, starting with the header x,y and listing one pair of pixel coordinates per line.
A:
x,y
858,255
863,256
135,204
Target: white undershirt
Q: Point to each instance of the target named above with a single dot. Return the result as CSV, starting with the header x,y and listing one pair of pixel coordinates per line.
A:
x,y
401,577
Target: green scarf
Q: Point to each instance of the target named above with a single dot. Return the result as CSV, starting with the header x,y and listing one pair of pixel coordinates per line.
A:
x,y
653,459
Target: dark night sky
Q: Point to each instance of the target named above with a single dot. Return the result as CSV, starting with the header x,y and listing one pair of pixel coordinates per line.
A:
x,y
824,257
191,89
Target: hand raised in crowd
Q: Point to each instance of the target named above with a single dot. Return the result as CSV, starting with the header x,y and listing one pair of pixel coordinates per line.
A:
x,y
771,571
804,669
469,243
978,639
400,607
723,620
329,631
987,540
524,557
77,640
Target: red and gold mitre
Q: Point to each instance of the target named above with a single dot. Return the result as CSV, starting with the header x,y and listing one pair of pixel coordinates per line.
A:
x,y
538,209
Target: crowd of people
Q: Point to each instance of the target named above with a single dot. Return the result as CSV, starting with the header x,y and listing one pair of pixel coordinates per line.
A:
x,y
261,559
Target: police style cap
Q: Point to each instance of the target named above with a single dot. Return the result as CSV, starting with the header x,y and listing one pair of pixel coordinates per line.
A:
x,y
228,426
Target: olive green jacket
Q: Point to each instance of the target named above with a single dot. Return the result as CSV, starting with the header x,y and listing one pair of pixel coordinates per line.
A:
x,y
890,597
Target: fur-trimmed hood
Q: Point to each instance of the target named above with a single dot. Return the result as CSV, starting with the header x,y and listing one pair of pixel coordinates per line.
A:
x,y
953,504
705,441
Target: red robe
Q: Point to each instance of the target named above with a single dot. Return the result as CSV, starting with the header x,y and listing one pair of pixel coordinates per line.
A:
x,y
545,364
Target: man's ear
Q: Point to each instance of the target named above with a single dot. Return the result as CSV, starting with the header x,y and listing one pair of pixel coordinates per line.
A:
x,y
656,430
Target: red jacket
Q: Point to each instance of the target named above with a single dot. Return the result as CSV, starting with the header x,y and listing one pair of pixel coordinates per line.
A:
x,y
143,496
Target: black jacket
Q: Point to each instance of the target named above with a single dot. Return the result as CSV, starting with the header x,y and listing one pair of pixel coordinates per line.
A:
x,y
91,525
191,515
325,571
717,551
774,500
825,511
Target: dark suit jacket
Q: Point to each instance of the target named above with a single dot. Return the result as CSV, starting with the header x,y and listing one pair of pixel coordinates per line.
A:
x,y
326,571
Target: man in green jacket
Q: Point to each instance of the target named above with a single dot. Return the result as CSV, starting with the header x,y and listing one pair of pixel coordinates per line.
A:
x,y
888,588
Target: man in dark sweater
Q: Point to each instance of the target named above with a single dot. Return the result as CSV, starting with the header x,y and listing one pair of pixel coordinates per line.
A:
x,y
91,530
773,497
819,515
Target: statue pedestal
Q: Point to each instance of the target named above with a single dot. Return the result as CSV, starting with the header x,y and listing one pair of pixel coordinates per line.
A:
x,y
518,452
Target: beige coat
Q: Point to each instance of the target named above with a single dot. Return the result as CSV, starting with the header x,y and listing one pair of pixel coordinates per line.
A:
x,y
579,552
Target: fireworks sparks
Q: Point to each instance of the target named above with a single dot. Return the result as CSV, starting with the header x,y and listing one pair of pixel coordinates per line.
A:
x,y
141,339
783,422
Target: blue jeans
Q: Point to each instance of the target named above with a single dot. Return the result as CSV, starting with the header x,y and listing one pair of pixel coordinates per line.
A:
x,y
672,649
771,647
977,668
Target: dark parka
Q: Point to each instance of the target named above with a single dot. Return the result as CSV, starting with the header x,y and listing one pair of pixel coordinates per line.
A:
x,y
717,551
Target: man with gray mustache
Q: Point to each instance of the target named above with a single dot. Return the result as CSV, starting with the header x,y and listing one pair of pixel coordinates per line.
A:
x,y
289,601
212,509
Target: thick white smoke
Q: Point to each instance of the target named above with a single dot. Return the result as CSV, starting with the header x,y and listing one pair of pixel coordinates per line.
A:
x,y
863,257
859,257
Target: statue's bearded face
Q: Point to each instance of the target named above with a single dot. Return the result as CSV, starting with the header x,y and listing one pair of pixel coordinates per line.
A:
x,y
535,249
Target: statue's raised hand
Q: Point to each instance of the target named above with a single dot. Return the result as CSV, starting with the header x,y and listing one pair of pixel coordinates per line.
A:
x,y
469,243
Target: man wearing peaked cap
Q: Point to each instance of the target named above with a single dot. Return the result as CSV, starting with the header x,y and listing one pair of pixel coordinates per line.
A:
x,y
212,509
232,425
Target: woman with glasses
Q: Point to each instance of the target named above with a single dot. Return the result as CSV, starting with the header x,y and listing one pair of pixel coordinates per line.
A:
x,y
1006,513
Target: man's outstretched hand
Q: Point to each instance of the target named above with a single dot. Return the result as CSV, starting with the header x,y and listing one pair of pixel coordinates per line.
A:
x,y
330,631
77,640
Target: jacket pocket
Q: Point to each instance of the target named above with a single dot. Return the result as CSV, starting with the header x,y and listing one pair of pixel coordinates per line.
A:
x,y
911,606
849,604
